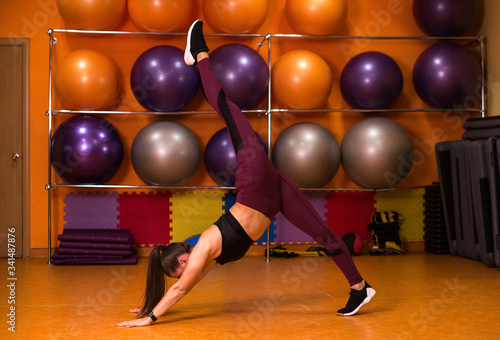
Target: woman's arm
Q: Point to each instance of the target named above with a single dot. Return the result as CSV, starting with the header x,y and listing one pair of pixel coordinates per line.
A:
x,y
204,272
197,267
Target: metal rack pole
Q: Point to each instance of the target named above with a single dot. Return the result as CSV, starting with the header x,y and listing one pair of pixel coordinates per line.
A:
x,y
269,128
50,32
483,75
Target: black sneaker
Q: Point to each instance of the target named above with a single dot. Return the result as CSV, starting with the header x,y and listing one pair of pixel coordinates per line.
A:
x,y
195,43
358,299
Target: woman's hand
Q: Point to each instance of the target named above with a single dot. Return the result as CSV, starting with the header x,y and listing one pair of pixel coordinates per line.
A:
x,y
135,310
137,322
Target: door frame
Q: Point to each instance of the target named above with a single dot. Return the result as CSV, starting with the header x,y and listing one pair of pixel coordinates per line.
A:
x,y
24,43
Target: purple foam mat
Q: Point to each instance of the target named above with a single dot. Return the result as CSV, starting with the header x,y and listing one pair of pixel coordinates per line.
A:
x,y
127,260
83,251
288,233
96,245
95,235
58,255
91,210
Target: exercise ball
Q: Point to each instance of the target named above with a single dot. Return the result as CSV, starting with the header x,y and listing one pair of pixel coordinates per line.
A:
x,y
354,243
445,18
192,240
230,16
86,150
161,15
377,153
447,76
161,81
307,153
92,14
220,158
165,153
301,80
242,73
371,80
316,17
86,80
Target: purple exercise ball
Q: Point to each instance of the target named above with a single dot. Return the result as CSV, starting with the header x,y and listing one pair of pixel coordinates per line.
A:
x,y
220,158
371,80
86,150
161,81
243,74
447,76
445,18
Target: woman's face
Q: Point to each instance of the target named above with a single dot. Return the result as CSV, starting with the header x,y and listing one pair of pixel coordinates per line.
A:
x,y
183,261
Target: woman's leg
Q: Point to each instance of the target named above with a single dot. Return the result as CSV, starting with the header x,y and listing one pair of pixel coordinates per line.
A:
x,y
239,128
300,212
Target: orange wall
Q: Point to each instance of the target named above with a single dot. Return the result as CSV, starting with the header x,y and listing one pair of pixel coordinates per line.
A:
x,y
31,18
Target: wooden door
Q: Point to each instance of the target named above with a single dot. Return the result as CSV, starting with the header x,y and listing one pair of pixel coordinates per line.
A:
x,y
14,147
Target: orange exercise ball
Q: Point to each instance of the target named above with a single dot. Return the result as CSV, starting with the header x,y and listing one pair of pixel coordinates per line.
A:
x,y
316,17
92,14
86,80
301,80
235,16
161,15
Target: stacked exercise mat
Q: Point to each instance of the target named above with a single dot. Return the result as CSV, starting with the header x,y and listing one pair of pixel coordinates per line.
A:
x,y
435,235
95,246
469,182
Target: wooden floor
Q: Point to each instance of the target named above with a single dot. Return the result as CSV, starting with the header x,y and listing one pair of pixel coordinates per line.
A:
x,y
419,296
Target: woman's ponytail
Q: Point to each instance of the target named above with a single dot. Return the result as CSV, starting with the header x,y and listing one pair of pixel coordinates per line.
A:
x,y
162,260
155,281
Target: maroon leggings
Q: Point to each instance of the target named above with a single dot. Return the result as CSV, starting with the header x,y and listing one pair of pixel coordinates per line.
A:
x,y
262,187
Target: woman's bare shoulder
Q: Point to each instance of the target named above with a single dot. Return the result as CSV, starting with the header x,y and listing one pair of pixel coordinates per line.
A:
x,y
210,243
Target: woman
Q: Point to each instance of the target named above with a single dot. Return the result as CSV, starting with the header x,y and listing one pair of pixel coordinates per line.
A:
x,y
263,191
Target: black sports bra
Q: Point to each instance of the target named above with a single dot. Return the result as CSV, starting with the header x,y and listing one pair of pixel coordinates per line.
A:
x,y
235,241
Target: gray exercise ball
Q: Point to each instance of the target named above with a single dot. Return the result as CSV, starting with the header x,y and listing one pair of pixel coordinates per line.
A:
x,y
308,153
377,153
165,153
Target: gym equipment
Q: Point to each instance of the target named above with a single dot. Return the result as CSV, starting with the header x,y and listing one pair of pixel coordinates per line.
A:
x,y
316,17
445,18
242,73
161,15
220,158
86,80
469,177
161,81
92,14
242,16
165,153
447,75
481,207
444,158
371,80
436,238
377,153
384,227
301,80
86,150
95,246
308,153
279,251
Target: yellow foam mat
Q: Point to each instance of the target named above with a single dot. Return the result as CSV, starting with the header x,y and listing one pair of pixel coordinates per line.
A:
x,y
193,212
410,205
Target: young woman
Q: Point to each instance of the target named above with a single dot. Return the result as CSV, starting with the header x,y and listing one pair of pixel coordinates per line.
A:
x,y
263,191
